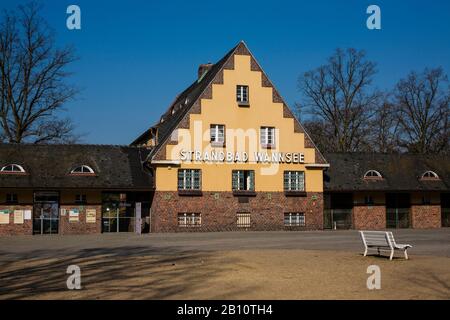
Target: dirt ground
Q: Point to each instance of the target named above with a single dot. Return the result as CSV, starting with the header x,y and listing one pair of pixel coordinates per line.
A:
x,y
143,273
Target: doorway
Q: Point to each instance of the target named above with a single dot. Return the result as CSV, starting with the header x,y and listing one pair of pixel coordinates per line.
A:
x,y
397,210
338,208
46,213
118,214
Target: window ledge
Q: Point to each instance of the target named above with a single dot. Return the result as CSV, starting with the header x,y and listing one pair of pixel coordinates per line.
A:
x,y
190,193
295,193
218,144
240,193
268,146
243,103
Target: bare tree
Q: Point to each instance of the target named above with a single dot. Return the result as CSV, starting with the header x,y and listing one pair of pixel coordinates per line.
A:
x,y
33,80
385,129
340,100
422,102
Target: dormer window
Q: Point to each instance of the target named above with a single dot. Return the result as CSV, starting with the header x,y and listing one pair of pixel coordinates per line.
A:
x,y
242,95
430,175
13,169
373,174
82,170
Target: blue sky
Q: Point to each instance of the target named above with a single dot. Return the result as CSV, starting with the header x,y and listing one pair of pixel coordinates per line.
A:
x,y
135,56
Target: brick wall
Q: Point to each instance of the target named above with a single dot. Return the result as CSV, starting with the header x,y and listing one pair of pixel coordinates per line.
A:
x,y
218,211
80,226
426,216
14,228
369,217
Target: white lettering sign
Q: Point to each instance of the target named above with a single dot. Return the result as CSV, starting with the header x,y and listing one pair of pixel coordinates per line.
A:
x,y
260,157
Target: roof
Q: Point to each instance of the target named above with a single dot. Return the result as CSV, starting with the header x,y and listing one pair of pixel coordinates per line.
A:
x,y
183,102
49,166
400,172
186,101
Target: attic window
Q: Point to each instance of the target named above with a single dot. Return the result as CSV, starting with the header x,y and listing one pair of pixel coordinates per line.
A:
x,y
430,175
82,170
12,168
373,174
242,95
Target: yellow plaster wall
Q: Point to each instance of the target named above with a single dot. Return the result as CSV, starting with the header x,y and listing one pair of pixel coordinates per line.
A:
x,y
223,109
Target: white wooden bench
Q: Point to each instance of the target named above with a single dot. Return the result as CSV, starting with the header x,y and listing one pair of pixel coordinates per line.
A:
x,y
382,240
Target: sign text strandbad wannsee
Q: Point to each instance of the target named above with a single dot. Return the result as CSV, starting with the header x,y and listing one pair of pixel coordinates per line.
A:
x,y
260,157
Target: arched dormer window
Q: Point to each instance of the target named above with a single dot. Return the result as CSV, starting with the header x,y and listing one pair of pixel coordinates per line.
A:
x,y
373,174
430,175
12,168
82,170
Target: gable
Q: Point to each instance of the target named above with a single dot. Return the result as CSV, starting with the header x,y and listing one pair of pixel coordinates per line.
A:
x,y
215,76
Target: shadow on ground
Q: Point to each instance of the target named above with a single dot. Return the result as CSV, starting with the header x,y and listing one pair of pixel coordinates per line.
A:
x,y
109,273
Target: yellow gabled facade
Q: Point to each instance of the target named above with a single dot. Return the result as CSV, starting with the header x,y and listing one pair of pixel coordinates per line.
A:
x,y
242,127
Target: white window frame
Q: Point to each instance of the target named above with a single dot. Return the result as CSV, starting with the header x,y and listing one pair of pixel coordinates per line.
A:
x,y
215,137
377,174
241,89
189,219
296,219
266,134
16,168
243,220
192,178
85,169
433,175
294,175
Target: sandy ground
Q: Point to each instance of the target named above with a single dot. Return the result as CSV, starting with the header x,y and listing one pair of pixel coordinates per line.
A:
x,y
232,274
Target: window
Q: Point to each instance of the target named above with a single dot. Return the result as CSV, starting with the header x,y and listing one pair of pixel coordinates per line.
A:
x,y
373,174
368,200
12,168
242,94
294,219
82,170
80,199
294,181
189,179
426,200
430,175
189,219
217,133
243,180
11,198
243,220
267,137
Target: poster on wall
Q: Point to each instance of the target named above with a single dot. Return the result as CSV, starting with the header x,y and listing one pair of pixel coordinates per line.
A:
x,y
18,216
74,215
27,214
91,215
4,216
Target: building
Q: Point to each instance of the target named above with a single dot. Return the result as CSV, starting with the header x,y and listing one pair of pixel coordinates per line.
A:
x,y
378,191
228,154
72,189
